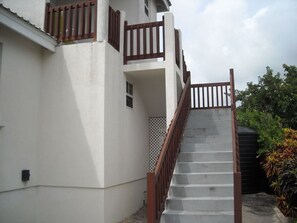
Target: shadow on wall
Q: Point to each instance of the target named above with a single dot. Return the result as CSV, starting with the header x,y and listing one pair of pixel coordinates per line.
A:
x,y
70,122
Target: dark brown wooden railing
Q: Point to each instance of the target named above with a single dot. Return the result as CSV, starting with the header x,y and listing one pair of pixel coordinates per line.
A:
x,y
236,156
71,22
144,41
177,44
114,22
158,181
212,95
185,72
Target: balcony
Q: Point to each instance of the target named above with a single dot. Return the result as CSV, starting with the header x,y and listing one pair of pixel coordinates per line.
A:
x,y
75,22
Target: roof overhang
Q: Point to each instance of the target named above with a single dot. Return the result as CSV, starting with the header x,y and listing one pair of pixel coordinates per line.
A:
x,y
163,5
26,29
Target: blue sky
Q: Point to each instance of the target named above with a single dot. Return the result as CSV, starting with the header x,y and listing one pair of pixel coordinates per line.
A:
x,y
246,35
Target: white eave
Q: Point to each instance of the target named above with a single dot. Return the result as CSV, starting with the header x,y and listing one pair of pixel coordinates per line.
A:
x,y
26,29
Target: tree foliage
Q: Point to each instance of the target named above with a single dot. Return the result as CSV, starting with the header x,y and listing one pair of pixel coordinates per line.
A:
x,y
268,127
274,94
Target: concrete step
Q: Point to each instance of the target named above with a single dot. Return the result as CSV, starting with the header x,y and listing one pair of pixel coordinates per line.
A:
x,y
209,124
207,139
197,216
205,156
198,167
202,147
200,204
197,131
203,178
215,114
201,190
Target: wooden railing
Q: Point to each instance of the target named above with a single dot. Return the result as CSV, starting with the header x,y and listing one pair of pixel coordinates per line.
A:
x,y
114,20
158,181
236,156
185,72
71,22
144,41
177,47
212,95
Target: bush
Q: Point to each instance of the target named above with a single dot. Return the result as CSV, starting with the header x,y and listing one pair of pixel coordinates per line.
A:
x,y
280,166
268,127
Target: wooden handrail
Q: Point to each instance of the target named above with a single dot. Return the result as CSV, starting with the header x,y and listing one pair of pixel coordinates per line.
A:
x,y
158,181
236,156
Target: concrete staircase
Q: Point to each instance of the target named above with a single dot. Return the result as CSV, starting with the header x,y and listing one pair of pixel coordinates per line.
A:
x,y
201,189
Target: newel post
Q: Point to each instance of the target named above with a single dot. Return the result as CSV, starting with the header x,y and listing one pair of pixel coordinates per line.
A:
x,y
151,197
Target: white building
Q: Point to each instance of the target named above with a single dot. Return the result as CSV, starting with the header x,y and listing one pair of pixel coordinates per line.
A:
x,y
77,111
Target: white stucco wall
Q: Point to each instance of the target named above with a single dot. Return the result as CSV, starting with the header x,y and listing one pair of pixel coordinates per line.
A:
x,y
20,109
32,10
135,10
73,116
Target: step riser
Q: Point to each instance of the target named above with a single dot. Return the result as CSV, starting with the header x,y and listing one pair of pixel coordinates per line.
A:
x,y
204,157
204,147
201,191
198,205
203,167
175,218
208,139
190,132
222,126
202,179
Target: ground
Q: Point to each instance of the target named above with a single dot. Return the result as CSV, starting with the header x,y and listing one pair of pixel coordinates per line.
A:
x,y
255,208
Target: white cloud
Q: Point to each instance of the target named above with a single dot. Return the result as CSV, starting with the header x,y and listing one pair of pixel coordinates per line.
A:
x,y
242,34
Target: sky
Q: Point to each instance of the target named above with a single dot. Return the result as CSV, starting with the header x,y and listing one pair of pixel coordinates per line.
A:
x,y
247,35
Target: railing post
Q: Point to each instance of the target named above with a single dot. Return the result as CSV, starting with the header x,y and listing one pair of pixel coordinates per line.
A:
x,y
236,163
151,197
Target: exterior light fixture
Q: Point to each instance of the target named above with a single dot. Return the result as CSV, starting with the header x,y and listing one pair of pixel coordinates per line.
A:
x,y
25,175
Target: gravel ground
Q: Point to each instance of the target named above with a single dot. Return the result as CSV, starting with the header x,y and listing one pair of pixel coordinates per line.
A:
x,y
256,208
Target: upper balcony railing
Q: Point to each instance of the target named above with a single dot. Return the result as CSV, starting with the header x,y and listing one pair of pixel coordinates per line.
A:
x,y
114,23
144,41
72,22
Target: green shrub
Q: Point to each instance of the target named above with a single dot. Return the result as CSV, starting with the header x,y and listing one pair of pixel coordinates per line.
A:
x,y
268,127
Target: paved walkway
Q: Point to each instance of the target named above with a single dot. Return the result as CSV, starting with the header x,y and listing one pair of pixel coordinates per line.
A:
x,y
256,208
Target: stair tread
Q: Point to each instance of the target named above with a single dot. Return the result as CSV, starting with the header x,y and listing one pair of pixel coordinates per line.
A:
x,y
198,212
203,173
208,162
200,198
201,185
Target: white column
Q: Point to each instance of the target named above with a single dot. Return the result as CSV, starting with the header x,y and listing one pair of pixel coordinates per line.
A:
x,y
170,71
102,20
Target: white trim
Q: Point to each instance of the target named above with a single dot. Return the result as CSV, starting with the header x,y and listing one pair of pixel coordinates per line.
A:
x,y
27,30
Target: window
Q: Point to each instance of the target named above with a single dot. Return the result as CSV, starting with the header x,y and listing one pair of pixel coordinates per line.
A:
x,y
129,94
146,7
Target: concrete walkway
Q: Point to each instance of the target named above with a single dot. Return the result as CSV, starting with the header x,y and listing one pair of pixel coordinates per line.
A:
x,y
256,208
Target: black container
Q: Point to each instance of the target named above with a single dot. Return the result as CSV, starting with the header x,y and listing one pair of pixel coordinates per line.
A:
x,y
249,163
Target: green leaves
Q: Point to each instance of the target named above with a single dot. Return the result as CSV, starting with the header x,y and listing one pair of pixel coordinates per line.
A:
x,y
275,94
268,127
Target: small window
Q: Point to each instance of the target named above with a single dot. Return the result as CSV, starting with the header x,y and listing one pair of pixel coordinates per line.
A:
x,y
129,101
129,88
146,7
129,96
